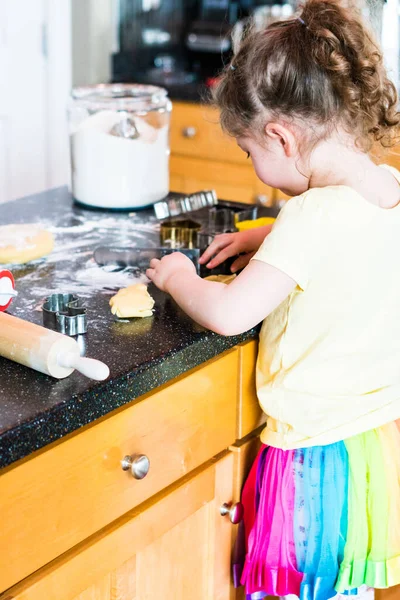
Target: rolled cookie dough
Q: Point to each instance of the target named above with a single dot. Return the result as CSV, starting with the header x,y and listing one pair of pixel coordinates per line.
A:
x,y
133,301
221,278
24,242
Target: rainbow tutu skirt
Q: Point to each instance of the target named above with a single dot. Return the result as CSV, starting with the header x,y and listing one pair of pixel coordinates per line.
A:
x,y
322,520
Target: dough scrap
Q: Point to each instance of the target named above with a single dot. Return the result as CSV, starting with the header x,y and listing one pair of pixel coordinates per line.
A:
x,y
133,301
221,278
23,242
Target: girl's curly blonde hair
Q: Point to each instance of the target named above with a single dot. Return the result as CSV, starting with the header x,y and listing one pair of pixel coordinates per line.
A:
x,y
323,68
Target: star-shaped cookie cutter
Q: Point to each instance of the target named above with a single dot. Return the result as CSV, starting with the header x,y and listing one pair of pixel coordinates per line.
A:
x,y
64,313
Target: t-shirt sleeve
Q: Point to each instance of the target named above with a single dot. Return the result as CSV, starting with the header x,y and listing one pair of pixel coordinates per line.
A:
x,y
293,246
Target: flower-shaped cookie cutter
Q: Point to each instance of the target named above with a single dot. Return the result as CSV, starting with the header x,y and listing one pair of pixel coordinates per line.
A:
x,y
65,314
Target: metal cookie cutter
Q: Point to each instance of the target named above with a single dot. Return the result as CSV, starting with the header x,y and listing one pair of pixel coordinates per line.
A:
x,y
63,313
179,205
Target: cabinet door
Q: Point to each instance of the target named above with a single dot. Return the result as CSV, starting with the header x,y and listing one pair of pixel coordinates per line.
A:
x,y
174,546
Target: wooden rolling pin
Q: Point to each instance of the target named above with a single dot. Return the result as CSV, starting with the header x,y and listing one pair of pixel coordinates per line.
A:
x,y
44,350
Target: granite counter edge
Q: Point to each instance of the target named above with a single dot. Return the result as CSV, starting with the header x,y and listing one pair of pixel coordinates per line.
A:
x,y
46,428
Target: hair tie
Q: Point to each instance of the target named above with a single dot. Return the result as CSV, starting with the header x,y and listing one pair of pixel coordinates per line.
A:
x,y
301,21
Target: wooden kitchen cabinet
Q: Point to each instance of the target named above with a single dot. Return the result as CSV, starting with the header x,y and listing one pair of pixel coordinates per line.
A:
x,y
75,526
202,157
178,427
174,546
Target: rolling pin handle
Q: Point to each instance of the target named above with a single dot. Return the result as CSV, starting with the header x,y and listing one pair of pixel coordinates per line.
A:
x,y
90,367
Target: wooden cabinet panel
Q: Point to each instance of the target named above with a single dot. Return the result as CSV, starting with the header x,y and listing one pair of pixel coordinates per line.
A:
x,y
388,156
123,581
186,575
174,546
205,158
194,168
176,183
231,182
65,494
389,594
393,159
101,590
195,131
224,190
249,413
245,452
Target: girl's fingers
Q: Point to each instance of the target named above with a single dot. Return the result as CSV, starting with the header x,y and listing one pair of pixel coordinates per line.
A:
x,y
222,256
154,262
150,273
217,244
241,262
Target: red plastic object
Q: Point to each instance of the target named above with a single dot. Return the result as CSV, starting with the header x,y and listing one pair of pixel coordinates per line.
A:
x,y
6,274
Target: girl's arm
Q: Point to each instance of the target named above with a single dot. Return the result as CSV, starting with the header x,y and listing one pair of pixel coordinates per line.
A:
x,y
226,309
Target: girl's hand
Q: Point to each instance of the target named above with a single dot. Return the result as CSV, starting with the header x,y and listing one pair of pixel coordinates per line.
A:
x,y
226,245
161,271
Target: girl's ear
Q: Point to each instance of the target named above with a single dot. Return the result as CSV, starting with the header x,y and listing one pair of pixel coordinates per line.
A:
x,y
283,136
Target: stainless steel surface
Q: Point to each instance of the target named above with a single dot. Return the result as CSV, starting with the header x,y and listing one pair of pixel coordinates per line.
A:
x,y
179,233
180,205
189,132
139,257
64,313
204,239
246,214
235,511
221,220
137,464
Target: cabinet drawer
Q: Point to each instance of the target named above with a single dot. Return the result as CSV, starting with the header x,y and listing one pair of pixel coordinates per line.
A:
x,y
195,131
231,182
63,495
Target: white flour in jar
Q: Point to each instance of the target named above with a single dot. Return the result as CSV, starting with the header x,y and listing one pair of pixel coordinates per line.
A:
x,y
115,172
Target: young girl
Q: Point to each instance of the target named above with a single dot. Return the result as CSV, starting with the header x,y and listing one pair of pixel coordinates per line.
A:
x,y
305,98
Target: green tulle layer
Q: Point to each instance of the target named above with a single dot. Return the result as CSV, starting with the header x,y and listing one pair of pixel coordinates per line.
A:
x,y
372,550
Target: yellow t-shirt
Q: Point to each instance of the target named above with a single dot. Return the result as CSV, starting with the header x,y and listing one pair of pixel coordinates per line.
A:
x,y
329,359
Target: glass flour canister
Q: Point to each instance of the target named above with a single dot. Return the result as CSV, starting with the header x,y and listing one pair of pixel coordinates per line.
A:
x,y
119,145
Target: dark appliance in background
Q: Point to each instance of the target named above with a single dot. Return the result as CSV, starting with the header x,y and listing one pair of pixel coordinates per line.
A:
x,y
181,45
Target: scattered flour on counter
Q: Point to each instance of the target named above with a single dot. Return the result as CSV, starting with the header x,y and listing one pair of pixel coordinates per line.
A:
x,y
96,277
70,268
19,235
89,281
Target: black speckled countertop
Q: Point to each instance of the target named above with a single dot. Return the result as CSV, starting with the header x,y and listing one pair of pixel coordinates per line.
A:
x,y
142,354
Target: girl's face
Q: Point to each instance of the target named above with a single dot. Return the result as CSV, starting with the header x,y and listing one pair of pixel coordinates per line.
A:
x,y
276,164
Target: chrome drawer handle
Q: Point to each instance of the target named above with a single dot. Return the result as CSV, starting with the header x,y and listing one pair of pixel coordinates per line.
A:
x,y
189,132
137,464
235,511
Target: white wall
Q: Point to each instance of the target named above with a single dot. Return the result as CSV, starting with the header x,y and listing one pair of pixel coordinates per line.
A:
x,y
93,40
59,89
390,39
